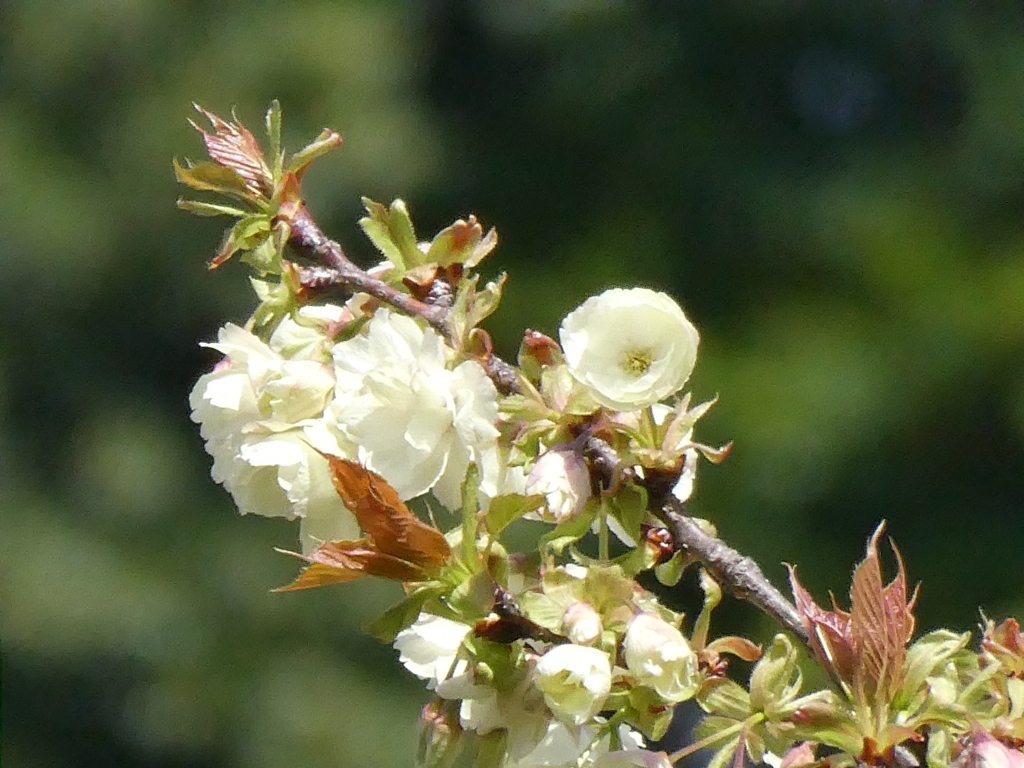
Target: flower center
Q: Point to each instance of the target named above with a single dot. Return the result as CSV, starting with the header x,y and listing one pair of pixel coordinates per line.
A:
x,y
636,362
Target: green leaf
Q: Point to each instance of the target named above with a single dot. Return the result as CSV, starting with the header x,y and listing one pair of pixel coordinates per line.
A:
x,y
630,509
671,571
392,232
775,679
209,209
473,597
321,145
402,615
503,510
564,534
273,122
470,521
211,177
724,697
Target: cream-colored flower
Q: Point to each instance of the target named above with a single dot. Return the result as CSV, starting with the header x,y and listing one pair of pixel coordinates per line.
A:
x,y
575,680
659,657
417,423
261,416
629,347
429,648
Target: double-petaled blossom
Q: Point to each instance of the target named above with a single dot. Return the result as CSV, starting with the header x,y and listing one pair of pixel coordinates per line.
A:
x,y
575,681
629,347
417,419
261,415
659,657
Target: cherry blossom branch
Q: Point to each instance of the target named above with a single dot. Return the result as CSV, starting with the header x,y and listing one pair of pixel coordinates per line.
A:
x,y
309,240
737,573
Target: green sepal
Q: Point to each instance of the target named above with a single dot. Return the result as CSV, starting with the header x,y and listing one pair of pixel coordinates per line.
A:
x,y
391,230
327,140
402,615
490,749
649,712
503,510
462,242
564,534
671,571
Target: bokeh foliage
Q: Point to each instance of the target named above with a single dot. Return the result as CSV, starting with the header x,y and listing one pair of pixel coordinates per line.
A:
x,y
834,191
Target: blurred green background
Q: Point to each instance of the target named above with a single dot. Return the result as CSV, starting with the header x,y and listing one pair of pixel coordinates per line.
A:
x,y
834,191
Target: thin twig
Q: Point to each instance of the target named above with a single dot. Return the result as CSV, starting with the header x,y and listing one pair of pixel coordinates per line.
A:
x,y
737,573
309,240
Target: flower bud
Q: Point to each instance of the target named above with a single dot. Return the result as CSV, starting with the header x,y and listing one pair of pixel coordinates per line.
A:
x,y
987,752
561,476
659,657
575,681
582,624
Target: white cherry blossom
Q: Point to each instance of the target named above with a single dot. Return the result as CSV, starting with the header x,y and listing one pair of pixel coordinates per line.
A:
x,y
629,347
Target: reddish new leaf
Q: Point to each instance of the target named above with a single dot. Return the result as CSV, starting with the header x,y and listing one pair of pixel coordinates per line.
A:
x,y
338,562
233,146
386,520
1006,643
881,622
829,632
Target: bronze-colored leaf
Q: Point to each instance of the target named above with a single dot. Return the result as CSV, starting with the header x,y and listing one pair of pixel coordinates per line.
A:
x,y
233,146
1006,643
829,632
881,622
384,517
338,562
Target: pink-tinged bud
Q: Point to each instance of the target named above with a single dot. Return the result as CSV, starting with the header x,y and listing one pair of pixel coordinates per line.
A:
x,y
988,752
561,476
582,624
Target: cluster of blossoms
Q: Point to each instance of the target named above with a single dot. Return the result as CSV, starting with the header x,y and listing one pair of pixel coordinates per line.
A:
x,y
337,412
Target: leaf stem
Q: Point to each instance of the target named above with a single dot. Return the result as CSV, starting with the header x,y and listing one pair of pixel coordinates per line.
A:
x,y
714,738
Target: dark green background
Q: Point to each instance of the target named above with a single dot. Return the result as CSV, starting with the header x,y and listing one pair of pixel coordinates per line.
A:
x,y
834,191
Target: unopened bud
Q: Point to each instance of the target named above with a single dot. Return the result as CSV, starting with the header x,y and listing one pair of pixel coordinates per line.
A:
x,y
988,752
582,624
561,476
440,734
